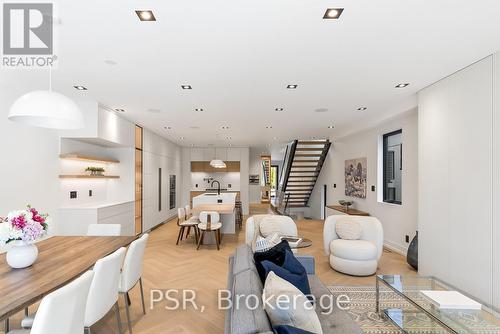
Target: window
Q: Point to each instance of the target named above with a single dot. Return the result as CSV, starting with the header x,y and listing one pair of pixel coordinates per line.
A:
x,y
392,166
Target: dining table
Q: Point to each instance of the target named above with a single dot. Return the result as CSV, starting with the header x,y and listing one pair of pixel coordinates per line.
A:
x,y
60,260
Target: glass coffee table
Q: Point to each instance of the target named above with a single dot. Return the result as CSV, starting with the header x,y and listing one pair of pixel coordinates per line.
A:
x,y
425,313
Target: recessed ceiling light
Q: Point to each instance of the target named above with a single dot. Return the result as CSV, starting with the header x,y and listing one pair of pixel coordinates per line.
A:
x,y
225,127
110,62
230,144
199,109
194,127
80,87
333,13
228,138
186,87
119,110
402,85
182,138
321,110
330,126
269,126
145,15
362,108
292,86
154,111
279,109
168,128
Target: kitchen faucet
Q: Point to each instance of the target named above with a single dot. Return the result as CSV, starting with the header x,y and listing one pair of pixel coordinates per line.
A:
x,y
218,186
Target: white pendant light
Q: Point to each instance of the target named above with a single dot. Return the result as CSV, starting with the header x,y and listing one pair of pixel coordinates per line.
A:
x,y
46,109
217,163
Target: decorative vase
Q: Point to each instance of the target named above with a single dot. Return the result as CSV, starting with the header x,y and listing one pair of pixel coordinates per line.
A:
x,y
21,254
412,255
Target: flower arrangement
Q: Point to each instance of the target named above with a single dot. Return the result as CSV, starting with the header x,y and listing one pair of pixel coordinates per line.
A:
x,y
95,170
26,225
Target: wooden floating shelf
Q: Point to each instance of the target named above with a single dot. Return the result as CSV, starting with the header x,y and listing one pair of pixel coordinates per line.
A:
x,y
89,177
81,157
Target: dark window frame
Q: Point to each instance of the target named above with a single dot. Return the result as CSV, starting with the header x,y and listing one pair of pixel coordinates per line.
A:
x,y
385,150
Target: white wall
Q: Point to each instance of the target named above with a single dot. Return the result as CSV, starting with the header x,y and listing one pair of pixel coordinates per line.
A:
x,y
397,220
254,168
159,153
459,183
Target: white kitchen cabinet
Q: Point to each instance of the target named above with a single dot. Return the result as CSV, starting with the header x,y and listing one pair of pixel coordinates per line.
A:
x,y
233,154
221,153
208,153
197,154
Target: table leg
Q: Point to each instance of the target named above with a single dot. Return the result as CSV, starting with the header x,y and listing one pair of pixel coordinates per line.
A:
x,y
7,325
377,296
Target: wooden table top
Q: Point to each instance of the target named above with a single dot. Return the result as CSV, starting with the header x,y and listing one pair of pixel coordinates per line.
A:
x,y
223,208
60,260
351,211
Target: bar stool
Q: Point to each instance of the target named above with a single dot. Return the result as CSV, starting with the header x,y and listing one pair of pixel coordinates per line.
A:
x,y
209,222
238,214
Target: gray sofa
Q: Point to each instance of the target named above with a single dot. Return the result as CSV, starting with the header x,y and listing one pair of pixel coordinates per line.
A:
x,y
243,279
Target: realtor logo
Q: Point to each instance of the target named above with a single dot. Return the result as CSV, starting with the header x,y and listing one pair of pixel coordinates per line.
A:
x,y
28,30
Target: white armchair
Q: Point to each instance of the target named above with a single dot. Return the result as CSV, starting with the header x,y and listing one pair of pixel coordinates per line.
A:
x,y
287,227
354,257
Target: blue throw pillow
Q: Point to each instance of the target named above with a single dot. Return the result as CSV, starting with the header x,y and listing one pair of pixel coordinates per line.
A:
x,y
291,270
285,329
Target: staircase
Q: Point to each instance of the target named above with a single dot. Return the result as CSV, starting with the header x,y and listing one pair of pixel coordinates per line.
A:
x,y
303,162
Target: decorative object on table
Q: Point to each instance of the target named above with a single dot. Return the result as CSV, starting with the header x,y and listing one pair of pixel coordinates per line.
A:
x,y
22,228
450,300
253,179
412,255
345,204
355,177
98,171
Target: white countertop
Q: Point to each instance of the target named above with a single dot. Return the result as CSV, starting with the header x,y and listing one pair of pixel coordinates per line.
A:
x,y
93,206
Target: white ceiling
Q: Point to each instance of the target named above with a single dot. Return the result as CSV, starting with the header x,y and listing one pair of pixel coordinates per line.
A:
x,y
239,56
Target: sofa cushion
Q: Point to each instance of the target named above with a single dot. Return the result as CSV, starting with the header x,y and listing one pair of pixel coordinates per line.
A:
x,y
348,229
292,271
265,244
332,319
276,255
286,305
285,329
243,259
246,318
359,250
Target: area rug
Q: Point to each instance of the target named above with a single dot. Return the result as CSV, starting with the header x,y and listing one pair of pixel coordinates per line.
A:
x,y
362,310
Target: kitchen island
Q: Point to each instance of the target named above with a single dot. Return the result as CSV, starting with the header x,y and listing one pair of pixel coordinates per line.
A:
x,y
223,203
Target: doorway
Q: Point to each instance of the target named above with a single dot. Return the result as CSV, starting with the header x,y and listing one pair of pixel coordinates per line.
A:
x,y
274,180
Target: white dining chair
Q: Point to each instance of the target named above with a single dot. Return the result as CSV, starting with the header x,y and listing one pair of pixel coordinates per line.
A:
x,y
193,219
63,310
131,273
209,222
104,230
183,223
103,294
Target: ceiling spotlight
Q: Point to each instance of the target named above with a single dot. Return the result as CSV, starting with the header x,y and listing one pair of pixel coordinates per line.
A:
x,y
333,13
362,108
279,109
199,109
80,87
269,127
292,86
186,87
145,15
402,85
330,126
321,110
168,128
182,138
225,127
228,138
119,110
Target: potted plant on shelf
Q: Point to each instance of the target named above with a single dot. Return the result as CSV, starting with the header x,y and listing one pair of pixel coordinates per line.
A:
x,y
99,171
22,228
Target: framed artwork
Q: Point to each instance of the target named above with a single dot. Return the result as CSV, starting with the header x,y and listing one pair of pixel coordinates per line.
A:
x,y
355,177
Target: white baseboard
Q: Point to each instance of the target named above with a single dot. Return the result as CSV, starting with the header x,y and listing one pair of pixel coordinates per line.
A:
x,y
395,247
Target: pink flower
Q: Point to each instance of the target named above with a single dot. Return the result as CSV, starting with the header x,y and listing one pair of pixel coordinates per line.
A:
x,y
18,222
33,212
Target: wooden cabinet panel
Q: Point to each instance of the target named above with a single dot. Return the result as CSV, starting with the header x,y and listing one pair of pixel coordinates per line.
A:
x,y
198,166
232,166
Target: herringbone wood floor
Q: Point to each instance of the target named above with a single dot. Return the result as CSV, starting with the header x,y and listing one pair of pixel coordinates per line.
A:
x,y
167,266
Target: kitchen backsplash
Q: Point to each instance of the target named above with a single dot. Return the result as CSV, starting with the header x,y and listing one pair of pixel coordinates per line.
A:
x,y
231,181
